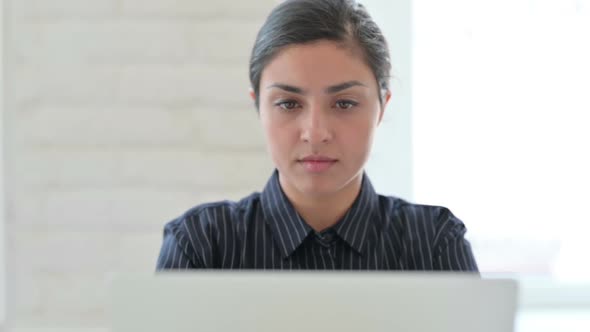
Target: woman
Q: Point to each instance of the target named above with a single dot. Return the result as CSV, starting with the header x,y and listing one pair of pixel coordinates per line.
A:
x,y
320,82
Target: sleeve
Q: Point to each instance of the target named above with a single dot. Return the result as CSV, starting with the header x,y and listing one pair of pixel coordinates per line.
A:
x,y
453,252
176,252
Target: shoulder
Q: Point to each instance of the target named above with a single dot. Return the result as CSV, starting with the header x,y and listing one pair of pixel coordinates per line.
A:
x,y
430,236
435,222
204,222
213,215
204,229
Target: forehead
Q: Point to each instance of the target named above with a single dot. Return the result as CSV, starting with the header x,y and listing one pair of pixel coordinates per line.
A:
x,y
317,65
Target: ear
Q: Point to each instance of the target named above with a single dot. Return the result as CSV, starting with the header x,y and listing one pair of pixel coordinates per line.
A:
x,y
386,98
252,94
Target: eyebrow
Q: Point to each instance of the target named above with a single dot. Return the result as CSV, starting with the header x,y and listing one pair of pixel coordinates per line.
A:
x,y
329,90
288,88
343,86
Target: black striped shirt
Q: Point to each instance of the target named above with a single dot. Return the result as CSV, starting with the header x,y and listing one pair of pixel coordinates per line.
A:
x,y
263,231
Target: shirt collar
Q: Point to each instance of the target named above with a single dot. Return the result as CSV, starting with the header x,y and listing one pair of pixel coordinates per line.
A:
x,y
288,228
358,227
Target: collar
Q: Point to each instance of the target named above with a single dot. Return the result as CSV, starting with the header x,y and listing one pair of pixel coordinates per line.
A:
x,y
358,227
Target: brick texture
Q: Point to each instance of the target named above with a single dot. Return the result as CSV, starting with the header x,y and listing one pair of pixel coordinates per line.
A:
x,y
120,116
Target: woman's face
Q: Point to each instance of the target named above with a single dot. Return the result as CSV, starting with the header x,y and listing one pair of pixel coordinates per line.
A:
x,y
319,107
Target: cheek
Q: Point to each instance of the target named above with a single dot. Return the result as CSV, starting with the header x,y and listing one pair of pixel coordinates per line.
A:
x,y
358,138
279,138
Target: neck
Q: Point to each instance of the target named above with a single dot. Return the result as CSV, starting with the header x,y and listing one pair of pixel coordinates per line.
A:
x,y
323,211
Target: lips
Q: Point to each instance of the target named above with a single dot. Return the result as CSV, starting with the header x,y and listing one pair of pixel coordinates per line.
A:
x,y
317,158
317,163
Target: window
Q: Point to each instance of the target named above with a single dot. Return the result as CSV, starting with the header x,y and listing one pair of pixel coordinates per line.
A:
x,y
500,127
490,117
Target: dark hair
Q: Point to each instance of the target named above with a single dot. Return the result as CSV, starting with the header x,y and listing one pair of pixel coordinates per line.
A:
x,y
306,21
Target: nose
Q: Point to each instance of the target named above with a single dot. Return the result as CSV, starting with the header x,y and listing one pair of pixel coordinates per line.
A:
x,y
316,126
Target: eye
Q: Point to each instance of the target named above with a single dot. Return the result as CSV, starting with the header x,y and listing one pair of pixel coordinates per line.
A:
x,y
287,105
346,104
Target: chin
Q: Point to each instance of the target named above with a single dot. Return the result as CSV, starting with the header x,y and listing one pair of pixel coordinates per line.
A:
x,y
318,185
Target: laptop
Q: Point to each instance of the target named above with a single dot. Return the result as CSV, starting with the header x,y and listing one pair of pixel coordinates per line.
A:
x,y
311,301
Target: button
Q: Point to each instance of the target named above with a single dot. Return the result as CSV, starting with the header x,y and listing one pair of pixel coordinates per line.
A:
x,y
326,238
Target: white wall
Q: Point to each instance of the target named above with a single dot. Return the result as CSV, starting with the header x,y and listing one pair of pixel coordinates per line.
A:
x,y
390,166
2,213
118,119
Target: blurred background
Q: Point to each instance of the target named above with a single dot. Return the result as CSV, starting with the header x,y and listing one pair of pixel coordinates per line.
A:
x,y
119,115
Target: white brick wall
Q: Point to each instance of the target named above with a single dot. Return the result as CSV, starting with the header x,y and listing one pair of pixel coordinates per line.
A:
x,y
201,9
62,8
137,40
2,199
121,115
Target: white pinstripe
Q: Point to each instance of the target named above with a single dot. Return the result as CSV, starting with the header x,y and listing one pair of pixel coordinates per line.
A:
x,y
274,195
388,226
